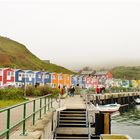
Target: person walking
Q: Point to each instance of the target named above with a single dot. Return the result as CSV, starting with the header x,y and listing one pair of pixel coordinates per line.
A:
x,y
62,90
72,90
97,90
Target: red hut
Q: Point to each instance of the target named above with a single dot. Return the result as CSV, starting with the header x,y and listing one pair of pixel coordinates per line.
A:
x,y
8,76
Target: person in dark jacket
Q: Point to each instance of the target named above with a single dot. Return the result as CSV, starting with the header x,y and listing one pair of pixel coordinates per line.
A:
x,y
72,90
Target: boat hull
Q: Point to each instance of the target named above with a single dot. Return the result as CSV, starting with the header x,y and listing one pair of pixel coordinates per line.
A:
x,y
110,108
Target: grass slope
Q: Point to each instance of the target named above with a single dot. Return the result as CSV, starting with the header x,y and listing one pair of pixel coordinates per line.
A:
x,y
7,103
14,54
129,73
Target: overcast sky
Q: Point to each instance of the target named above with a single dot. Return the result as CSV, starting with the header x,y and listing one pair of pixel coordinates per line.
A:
x,y
75,33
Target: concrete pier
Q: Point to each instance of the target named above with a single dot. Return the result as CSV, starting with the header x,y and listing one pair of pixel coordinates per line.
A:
x,y
76,102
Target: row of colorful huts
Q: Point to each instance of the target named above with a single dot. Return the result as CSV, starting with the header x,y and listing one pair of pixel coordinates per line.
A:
x,y
21,78
28,77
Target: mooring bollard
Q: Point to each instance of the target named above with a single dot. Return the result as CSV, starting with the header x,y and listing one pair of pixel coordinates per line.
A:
x,y
102,123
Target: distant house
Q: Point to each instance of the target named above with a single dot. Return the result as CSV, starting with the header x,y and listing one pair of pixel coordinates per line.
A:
x,y
102,76
8,75
29,77
87,73
54,78
88,81
47,61
39,78
105,74
19,78
47,78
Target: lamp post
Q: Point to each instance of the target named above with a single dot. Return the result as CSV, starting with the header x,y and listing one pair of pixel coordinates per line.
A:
x,y
43,77
25,84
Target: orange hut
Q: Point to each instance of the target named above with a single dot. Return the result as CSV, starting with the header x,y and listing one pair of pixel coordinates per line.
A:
x,y
60,80
67,80
54,77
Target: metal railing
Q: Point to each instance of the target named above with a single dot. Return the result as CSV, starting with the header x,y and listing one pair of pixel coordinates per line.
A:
x,y
42,106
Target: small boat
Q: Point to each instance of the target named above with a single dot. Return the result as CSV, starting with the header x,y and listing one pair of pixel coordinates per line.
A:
x,y
114,114
137,100
109,108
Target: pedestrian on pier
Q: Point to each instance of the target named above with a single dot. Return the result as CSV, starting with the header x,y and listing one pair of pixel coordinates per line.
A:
x,y
72,90
97,90
62,90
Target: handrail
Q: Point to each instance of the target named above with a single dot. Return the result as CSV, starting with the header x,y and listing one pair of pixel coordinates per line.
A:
x,y
8,110
88,116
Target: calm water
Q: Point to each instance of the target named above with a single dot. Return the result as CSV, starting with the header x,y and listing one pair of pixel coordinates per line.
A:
x,y
128,122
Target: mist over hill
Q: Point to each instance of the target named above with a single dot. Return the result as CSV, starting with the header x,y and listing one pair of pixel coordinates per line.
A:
x,y
16,55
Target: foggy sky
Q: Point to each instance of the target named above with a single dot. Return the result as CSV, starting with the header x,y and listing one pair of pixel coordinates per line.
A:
x,y
75,33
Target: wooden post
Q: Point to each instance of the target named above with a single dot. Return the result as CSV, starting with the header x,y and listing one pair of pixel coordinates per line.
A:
x,y
99,125
107,123
102,123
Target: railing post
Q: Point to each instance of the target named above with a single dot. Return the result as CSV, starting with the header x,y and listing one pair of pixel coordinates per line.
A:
x,y
24,119
51,101
40,107
34,112
45,105
8,123
48,103
59,103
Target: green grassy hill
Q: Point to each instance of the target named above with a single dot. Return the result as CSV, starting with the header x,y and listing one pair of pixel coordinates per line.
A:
x,y
129,73
14,54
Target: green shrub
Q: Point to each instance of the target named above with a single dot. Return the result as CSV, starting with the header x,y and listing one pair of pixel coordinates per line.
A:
x,y
37,92
11,93
42,90
30,91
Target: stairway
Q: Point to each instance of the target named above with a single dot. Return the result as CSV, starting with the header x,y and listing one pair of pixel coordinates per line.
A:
x,y
72,124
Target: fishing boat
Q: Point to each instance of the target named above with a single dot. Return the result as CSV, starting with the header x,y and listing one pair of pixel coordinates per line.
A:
x,y
137,100
109,108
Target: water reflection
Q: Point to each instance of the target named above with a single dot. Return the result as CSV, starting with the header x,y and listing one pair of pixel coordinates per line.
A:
x,y
131,116
128,122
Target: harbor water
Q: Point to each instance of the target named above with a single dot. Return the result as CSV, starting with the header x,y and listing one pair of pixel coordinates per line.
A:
x,y
127,122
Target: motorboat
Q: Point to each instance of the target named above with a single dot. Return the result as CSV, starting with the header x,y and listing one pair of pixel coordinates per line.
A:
x,y
109,108
114,114
137,100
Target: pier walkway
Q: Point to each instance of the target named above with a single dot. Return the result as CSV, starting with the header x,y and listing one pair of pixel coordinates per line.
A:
x,y
73,112
73,102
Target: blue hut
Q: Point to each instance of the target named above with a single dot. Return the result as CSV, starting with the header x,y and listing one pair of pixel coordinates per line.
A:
x,y
47,78
39,78
81,82
29,77
19,78
74,80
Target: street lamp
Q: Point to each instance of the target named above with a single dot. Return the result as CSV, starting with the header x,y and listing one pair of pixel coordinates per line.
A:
x,y
25,84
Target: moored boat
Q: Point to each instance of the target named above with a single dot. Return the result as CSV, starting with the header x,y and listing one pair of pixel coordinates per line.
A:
x,y
137,100
109,108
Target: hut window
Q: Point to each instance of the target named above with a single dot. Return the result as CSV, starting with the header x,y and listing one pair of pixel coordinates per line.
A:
x,y
47,76
8,73
54,77
60,77
39,75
